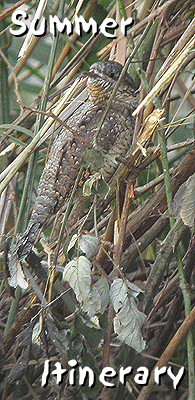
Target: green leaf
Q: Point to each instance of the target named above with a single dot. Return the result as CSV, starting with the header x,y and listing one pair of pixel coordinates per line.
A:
x,y
87,187
112,157
129,320
78,274
88,245
17,277
98,298
187,211
17,128
102,188
92,158
90,361
88,330
128,323
72,242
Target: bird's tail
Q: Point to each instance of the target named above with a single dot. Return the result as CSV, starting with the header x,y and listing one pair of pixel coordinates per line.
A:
x,y
18,253
26,241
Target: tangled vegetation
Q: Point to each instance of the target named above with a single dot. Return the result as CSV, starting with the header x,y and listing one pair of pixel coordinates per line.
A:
x,y
116,288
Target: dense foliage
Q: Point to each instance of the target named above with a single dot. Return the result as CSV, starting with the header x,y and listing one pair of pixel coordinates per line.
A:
x,y
116,289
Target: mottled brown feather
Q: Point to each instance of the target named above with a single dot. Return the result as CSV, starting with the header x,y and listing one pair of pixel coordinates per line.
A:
x,y
64,159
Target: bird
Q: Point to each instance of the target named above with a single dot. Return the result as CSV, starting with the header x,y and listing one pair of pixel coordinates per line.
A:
x,y
65,156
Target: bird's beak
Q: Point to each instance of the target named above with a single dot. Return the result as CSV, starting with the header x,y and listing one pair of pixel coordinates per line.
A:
x,y
90,74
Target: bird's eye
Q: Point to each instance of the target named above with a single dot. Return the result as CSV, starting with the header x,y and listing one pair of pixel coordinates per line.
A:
x,y
112,75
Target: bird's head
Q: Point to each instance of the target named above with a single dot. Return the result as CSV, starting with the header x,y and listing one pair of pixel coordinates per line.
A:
x,y
102,77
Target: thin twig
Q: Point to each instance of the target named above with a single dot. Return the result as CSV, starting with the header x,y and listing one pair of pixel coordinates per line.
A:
x,y
117,257
14,77
169,351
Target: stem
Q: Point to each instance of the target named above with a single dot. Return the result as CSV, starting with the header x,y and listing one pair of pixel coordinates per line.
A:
x,y
189,337
168,352
13,309
28,187
166,176
67,212
26,198
4,90
186,295
115,271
